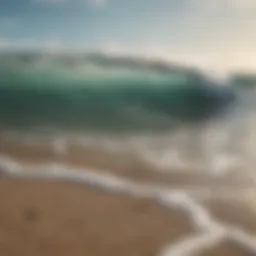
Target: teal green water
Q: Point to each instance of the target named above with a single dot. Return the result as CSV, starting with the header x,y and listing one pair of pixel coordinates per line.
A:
x,y
85,97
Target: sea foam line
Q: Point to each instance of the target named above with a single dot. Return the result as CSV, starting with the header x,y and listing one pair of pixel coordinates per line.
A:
x,y
101,177
211,232
165,159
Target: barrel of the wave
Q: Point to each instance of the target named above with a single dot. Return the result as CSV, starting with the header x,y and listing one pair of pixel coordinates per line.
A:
x,y
199,99
219,99
56,95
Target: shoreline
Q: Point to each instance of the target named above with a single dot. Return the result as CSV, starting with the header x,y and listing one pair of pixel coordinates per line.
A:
x,y
41,210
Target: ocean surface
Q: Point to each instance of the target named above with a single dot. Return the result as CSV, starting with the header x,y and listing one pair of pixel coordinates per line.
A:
x,y
171,116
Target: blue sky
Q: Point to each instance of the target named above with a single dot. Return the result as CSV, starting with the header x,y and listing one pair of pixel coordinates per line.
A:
x,y
212,33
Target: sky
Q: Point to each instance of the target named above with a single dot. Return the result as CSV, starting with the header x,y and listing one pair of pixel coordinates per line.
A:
x,y
213,34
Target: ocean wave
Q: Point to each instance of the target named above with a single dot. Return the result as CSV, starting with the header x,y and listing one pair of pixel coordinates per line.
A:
x,y
98,91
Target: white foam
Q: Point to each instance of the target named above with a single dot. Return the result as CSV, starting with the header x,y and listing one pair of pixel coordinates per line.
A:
x,y
198,214
166,152
193,244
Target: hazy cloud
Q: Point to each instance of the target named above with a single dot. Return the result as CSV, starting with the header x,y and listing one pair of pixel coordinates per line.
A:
x,y
3,42
225,4
100,2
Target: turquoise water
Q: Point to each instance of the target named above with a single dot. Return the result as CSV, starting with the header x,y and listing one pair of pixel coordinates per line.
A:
x,y
95,96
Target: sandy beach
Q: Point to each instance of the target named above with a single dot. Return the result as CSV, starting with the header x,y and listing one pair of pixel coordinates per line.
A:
x,y
44,217
52,218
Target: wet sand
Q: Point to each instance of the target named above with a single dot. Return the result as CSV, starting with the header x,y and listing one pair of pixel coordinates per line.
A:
x,y
53,218
226,248
237,213
127,165
58,218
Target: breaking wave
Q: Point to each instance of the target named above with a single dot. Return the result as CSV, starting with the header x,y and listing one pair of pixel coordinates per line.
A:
x,y
102,92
